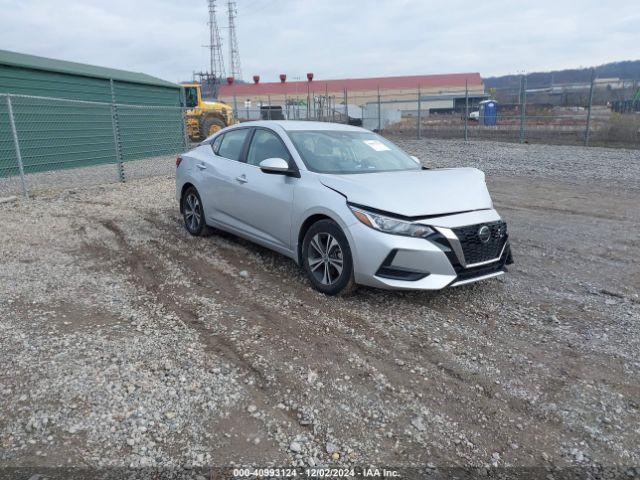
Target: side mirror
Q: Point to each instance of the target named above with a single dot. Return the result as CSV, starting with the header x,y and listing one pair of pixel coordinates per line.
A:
x,y
277,166
417,160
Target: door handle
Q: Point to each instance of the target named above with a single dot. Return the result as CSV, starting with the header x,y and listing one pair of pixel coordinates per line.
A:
x,y
242,179
201,166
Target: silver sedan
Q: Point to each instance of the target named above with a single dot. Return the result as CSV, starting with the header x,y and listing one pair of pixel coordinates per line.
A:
x,y
346,204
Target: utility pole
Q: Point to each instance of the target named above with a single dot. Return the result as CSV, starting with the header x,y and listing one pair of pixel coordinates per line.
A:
x,y
234,53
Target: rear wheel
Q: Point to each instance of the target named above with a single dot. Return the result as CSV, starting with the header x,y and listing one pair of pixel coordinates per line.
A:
x,y
193,213
326,258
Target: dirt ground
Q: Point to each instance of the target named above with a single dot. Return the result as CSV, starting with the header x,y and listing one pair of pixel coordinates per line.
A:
x,y
126,342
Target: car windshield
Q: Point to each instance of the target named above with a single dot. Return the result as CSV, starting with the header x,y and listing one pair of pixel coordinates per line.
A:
x,y
334,151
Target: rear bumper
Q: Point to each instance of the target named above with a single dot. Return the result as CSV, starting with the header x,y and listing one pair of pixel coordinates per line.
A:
x,y
404,263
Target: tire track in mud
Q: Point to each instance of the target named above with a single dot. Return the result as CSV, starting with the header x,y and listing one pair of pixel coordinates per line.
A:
x,y
350,319
280,327
148,270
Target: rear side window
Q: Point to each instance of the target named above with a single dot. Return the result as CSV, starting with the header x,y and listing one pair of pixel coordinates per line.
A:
x,y
232,143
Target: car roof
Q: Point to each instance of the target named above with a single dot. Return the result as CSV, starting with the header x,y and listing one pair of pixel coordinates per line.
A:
x,y
291,125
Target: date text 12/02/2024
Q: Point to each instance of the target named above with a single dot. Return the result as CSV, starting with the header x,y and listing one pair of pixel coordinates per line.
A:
x,y
316,472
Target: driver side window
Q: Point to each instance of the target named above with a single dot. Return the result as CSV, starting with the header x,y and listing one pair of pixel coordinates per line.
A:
x,y
266,144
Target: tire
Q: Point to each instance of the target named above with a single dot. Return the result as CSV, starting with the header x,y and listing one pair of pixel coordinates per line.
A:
x,y
207,123
330,270
193,214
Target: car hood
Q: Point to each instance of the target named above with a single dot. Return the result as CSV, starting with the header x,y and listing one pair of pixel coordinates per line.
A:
x,y
415,193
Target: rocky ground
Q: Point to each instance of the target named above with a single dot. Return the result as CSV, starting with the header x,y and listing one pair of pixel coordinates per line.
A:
x,y
124,341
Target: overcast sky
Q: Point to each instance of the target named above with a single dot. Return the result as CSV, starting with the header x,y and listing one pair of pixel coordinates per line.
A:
x,y
332,38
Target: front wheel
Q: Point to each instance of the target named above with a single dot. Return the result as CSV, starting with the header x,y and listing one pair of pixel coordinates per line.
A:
x,y
326,258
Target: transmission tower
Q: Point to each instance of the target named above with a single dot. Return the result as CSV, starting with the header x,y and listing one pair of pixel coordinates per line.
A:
x,y
216,62
234,53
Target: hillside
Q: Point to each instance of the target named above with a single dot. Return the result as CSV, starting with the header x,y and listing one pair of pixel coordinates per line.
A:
x,y
628,70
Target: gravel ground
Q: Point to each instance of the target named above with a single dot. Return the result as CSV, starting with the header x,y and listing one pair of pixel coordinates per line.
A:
x,y
40,182
126,342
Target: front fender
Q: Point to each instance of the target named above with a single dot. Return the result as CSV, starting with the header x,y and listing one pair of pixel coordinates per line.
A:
x,y
317,199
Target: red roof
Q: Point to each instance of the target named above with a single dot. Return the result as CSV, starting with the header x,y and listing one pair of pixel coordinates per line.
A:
x,y
355,84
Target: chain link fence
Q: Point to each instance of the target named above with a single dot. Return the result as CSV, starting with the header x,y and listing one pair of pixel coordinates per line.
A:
x,y
59,143
585,114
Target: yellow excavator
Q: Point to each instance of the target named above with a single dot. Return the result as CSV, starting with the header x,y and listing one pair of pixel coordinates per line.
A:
x,y
204,118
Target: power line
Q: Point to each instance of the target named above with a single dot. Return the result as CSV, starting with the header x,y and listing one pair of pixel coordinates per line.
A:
x,y
254,8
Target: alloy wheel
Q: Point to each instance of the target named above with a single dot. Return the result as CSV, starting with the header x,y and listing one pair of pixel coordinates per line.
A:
x,y
192,212
325,258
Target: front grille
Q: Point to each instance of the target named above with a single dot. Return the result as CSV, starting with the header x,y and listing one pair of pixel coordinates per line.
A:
x,y
475,251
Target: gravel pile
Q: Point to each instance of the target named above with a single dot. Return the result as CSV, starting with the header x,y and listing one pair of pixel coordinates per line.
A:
x,y
126,342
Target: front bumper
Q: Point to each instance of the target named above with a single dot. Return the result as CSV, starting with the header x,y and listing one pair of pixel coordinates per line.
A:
x,y
397,262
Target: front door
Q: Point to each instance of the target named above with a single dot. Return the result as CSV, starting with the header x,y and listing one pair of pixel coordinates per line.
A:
x,y
264,201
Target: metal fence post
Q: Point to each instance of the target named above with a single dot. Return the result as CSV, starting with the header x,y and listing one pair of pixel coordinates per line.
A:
x,y
379,113
183,112
588,128
466,110
327,103
346,108
235,107
116,133
315,109
185,133
419,113
523,104
16,144
286,107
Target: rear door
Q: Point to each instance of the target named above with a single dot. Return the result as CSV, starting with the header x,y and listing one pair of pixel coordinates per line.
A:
x,y
220,175
264,201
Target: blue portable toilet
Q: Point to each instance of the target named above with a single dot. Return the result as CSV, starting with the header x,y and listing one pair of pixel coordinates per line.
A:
x,y
488,112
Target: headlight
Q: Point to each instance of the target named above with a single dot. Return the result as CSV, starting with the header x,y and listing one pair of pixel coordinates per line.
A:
x,y
391,225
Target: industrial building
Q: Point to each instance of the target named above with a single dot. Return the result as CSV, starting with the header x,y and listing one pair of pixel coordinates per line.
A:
x,y
70,114
398,94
